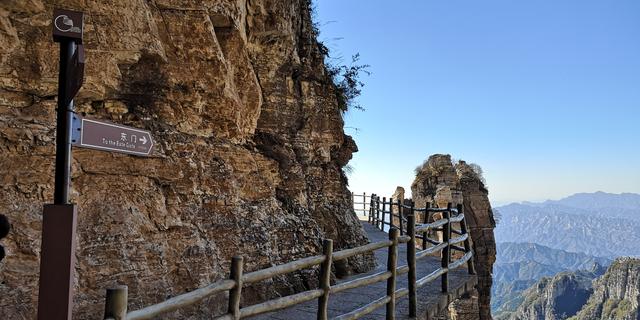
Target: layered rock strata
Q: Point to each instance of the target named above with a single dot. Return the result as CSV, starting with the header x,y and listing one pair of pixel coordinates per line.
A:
x,y
248,160
440,181
616,295
555,298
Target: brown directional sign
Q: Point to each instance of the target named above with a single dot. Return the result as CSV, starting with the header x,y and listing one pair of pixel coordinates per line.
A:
x,y
107,136
67,24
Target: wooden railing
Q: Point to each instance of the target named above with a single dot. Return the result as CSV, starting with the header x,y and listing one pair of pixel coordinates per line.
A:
x,y
381,209
116,298
361,203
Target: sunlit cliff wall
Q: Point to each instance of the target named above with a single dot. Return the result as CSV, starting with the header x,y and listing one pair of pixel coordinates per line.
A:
x,y
249,148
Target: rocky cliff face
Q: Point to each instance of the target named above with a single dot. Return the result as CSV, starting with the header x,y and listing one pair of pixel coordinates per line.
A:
x,y
616,294
249,148
520,265
555,298
440,181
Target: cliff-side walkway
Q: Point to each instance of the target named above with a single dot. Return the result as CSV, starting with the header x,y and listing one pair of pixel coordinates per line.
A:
x,y
430,299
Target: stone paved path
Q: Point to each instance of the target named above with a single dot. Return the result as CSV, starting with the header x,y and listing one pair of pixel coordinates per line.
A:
x,y
430,299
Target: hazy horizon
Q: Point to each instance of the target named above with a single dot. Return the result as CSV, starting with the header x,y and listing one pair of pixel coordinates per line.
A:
x,y
543,96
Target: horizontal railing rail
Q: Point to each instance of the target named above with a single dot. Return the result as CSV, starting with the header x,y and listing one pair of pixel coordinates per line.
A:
x,y
404,232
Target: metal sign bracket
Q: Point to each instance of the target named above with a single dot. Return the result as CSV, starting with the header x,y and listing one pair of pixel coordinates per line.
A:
x,y
76,129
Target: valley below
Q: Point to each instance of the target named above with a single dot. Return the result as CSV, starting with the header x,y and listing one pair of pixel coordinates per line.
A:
x,y
559,259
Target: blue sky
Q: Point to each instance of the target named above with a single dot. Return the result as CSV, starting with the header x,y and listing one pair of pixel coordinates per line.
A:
x,y
544,95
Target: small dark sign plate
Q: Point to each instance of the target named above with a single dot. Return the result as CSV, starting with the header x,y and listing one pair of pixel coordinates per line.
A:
x,y
67,24
107,136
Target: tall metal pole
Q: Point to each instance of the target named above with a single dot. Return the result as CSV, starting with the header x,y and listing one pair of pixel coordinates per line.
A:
x,y
59,220
63,126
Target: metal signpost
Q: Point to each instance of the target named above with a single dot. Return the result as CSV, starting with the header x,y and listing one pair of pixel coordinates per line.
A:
x,y
57,254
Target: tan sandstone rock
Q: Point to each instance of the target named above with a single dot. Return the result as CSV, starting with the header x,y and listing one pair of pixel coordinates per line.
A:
x,y
441,181
249,149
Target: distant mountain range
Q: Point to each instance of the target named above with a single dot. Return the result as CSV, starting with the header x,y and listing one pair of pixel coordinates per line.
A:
x,y
600,200
598,224
510,252
549,252
520,265
611,205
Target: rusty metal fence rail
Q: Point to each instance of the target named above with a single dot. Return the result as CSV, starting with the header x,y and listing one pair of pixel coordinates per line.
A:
x,y
405,233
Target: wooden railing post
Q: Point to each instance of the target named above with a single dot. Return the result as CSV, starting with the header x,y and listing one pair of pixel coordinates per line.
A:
x,y
384,205
377,224
364,203
392,263
371,202
236,292
373,208
425,220
400,214
411,260
446,252
325,279
467,243
391,225
115,306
